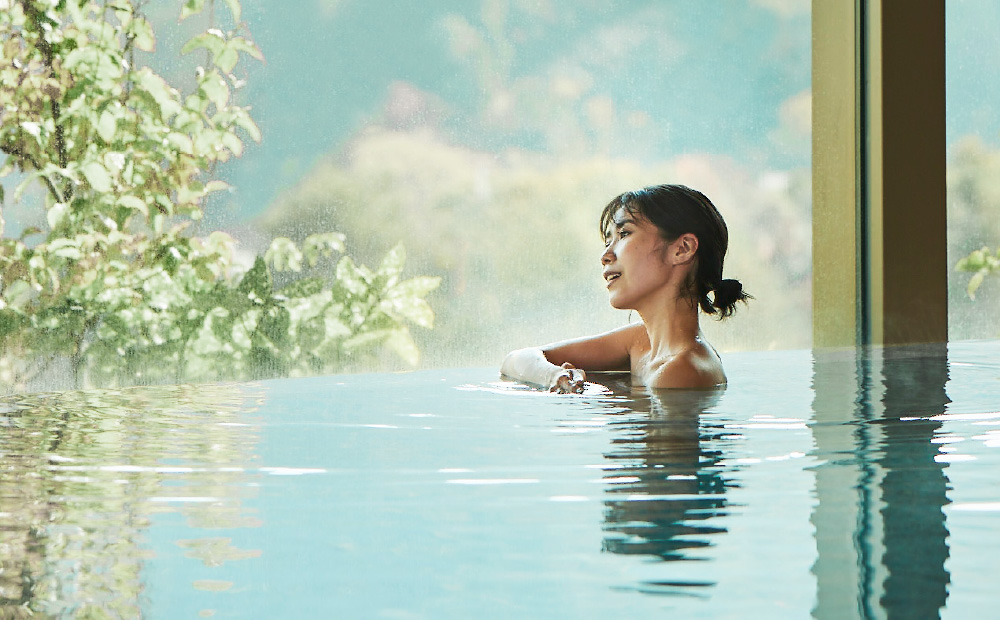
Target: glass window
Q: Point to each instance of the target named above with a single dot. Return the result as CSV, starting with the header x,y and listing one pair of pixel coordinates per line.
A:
x,y
973,129
483,136
487,136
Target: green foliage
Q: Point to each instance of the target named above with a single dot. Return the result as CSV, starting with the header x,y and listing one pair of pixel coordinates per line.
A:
x,y
117,284
973,226
973,192
981,263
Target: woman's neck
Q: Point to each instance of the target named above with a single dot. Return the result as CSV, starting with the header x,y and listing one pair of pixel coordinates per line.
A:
x,y
672,326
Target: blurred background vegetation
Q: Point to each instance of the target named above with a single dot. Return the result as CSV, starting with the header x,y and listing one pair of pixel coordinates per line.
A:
x,y
486,136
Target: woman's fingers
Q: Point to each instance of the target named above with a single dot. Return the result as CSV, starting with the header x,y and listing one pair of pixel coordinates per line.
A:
x,y
576,376
570,380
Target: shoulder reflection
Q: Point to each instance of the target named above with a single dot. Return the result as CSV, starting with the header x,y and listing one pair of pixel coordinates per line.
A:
x,y
665,485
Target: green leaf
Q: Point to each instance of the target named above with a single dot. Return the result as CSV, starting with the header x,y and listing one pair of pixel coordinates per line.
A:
x,y
17,294
240,335
25,183
181,142
367,338
56,214
235,9
123,12
65,248
219,244
232,142
165,205
247,124
29,231
227,58
191,7
75,13
256,285
97,175
305,287
134,203
416,310
215,89
217,186
241,44
108,70
274,325
392,264
975,282
402,344
334,327
81,55
416,287
143,32
284,255
264,362
311,333
162,93
975,261
211,41
350,277
221,323
107,123
10,322
322,245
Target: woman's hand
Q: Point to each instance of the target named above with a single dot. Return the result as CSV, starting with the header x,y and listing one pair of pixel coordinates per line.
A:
x,y
568,380
531,366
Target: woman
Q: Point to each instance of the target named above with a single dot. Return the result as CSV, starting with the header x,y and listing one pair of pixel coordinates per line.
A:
x,y
664,250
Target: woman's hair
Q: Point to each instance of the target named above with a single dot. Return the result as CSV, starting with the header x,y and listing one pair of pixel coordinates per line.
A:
x,y
676,210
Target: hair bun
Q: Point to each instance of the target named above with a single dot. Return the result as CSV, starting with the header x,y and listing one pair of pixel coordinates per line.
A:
x,y
727,293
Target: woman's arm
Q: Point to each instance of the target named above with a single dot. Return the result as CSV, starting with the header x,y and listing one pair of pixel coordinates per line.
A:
x,y
560,366
531,366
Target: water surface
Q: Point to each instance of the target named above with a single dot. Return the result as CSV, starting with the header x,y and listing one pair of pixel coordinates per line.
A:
x,y
833,484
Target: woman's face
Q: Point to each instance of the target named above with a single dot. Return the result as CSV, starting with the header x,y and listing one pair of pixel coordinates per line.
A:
x,y
636,262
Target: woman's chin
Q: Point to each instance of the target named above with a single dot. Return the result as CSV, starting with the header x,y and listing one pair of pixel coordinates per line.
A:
x,y
617,303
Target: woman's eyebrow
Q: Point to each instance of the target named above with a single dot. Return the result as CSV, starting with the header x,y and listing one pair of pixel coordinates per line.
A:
x,y
625,220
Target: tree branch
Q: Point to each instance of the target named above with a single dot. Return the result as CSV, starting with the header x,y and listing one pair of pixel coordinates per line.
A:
x,y
48,55
16,152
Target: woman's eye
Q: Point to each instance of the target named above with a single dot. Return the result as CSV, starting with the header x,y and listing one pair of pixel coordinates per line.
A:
x,y
623,233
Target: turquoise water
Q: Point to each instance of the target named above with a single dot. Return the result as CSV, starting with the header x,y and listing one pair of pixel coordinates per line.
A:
x,y
834,485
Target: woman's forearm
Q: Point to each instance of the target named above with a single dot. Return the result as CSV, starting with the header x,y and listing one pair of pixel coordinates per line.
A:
x,y
529,365
532,366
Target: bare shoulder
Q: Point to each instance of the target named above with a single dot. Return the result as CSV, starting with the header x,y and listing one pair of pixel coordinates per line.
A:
x,y
696,367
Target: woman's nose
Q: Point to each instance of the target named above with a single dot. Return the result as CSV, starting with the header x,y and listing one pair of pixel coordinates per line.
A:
x,y
608,256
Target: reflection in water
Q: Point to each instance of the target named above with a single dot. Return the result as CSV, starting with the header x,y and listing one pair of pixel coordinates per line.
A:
x,y
665,485
914,485
81,475
879,515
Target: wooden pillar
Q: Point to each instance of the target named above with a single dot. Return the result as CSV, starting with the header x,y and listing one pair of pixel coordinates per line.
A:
x,y
879,208
909,272
836,157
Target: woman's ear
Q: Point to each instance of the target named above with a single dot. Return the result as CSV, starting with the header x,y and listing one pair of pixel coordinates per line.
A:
x,y
684,249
